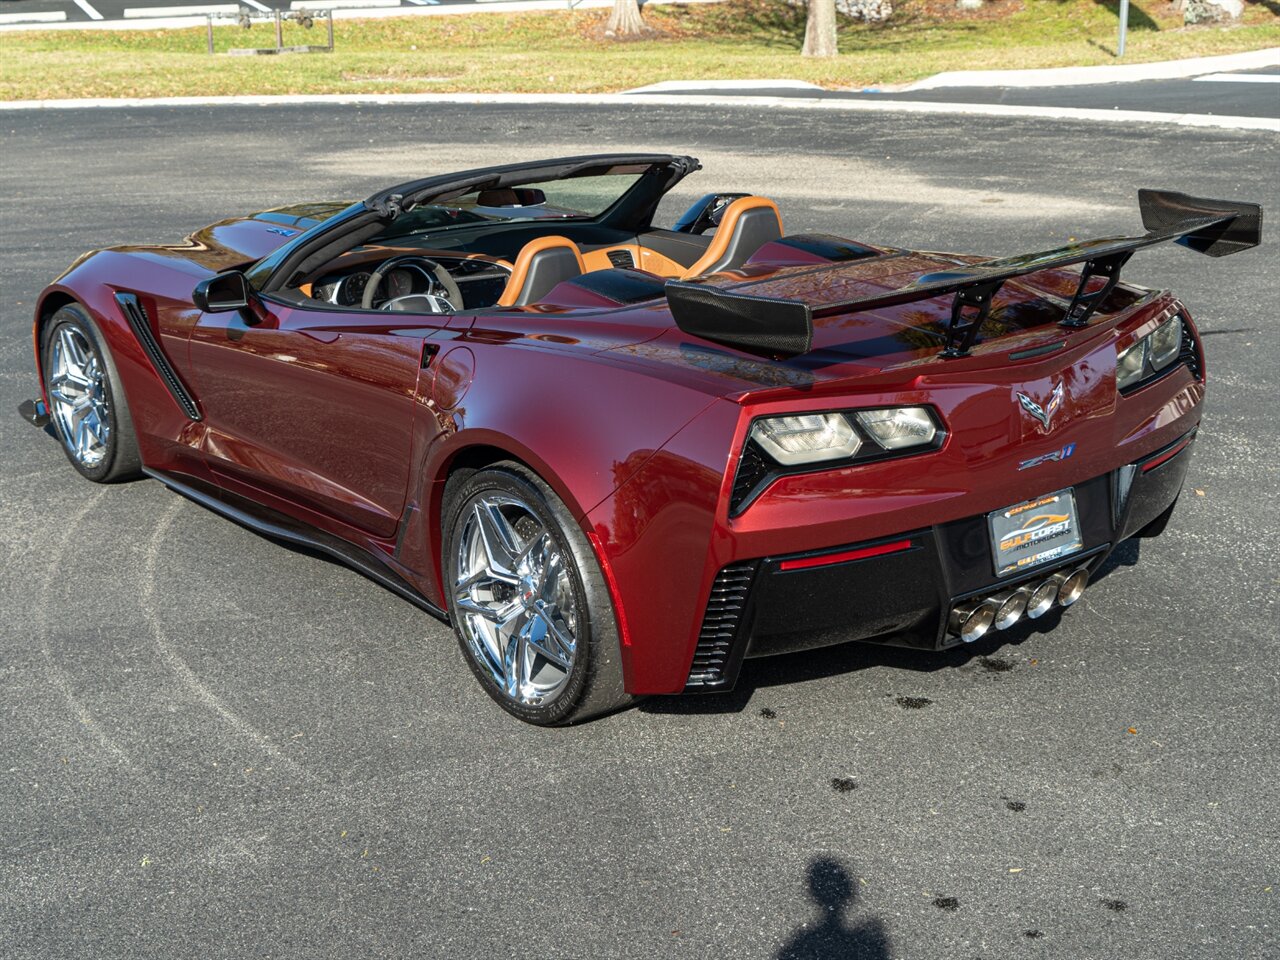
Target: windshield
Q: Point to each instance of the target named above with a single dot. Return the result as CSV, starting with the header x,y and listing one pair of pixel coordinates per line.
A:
x,y
574,198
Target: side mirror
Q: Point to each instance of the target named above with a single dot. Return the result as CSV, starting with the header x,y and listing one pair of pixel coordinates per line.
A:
x,y
706,212
223,293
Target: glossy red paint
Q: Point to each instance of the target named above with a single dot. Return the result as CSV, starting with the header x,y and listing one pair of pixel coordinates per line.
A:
x,y
352,421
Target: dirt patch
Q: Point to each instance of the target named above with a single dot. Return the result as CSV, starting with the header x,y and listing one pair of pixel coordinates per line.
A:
x,y
913,703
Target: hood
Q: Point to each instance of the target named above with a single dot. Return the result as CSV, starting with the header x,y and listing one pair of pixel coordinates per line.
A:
x,y
239,241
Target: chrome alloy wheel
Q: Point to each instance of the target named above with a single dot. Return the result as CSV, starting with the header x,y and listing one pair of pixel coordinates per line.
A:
x,y
78,396
514,598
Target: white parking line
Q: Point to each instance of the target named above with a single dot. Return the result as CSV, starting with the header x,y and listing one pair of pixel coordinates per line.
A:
x,y
1243,77
139,12
49,17
88,9
260,6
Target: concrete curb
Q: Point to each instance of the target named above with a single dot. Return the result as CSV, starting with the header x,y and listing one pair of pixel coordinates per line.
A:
x,y
667,100
667,86
1078,76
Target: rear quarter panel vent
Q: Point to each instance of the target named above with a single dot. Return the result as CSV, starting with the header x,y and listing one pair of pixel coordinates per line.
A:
x,y
718,645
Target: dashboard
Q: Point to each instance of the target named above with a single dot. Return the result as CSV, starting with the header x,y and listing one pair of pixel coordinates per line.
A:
x,y
479,281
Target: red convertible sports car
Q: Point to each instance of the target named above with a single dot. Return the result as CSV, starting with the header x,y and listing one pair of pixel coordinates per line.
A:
x,y
619,458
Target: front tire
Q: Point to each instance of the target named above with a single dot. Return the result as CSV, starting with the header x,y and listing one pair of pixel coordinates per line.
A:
x,y
528,603
86,401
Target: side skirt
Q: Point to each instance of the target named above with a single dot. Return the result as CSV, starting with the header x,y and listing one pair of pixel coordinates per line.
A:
x,y
271,523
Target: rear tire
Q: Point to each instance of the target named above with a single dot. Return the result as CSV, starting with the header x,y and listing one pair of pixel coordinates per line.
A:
x,y
528,602
87,406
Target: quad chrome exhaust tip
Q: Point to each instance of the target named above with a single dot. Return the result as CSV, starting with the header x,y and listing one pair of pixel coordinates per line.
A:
x,y
1010,606
1073,586
1044,595
971,621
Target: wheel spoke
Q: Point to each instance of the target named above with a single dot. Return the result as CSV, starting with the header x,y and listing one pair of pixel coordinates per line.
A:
x,y
542,638
75,354
563,640
497,539
80,439
466,604
513,658
534,558
534,547
93,427
552,573
58,391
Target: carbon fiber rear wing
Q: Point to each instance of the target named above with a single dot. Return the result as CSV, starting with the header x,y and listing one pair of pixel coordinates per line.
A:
x,y
1217,228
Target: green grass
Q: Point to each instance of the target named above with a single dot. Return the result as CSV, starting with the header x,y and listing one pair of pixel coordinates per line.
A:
x,y
564,52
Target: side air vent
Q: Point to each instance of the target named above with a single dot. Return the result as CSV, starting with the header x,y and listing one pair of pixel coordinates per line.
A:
x,y
622,258
134,312
725,607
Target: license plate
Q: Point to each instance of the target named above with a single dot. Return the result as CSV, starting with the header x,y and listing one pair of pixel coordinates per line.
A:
x,y
1034,532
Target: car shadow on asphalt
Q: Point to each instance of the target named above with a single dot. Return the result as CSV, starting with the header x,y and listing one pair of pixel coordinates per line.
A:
x,y
846,658
831,936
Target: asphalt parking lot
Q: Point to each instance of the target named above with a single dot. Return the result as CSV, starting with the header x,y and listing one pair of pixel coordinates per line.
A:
x,y
215,746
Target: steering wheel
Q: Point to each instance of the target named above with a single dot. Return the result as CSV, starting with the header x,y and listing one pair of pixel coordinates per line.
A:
x,y
452,293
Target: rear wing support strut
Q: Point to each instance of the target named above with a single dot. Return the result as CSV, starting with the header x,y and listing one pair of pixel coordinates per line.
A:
x,y
1083,304
969,310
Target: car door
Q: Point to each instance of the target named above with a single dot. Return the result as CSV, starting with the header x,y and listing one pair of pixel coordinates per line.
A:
x,y
315,407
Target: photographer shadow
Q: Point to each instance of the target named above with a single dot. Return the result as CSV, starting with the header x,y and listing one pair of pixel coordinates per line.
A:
x,y
834,891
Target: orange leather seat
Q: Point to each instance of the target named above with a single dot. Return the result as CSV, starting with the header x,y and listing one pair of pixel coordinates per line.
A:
x,y
541,265
747,225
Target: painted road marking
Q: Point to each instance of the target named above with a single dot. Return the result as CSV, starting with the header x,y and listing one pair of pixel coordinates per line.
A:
x,y
44,17
89,11
336,4
138,12
1243,77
